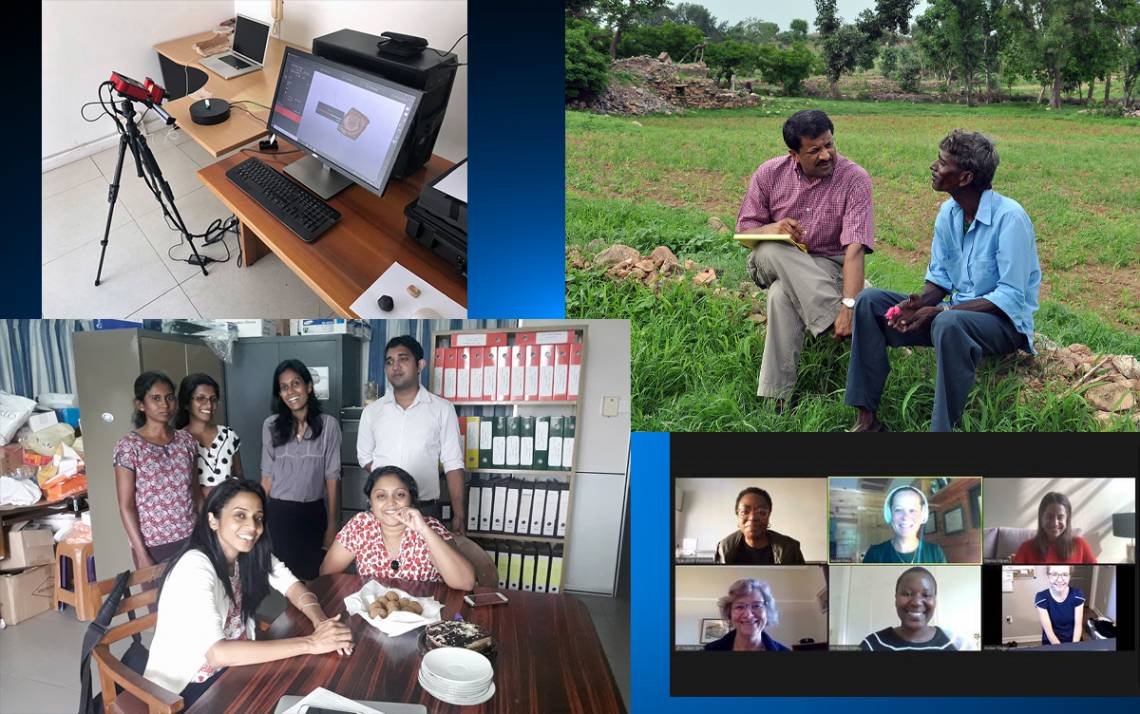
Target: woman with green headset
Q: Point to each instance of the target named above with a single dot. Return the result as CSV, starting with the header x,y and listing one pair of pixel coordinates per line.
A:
x,y
906,512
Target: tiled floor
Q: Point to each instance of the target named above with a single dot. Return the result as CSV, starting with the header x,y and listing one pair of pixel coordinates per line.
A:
x,y
39,658
140,279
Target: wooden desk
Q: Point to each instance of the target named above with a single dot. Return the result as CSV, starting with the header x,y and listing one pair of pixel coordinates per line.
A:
x,y
240,128
549,658
346,260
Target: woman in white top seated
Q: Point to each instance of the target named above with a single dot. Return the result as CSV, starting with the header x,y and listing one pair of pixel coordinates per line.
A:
x,y
212,589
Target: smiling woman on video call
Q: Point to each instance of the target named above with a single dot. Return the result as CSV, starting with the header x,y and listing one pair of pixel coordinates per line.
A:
x,y
916,596
1054,542
751,608
754,543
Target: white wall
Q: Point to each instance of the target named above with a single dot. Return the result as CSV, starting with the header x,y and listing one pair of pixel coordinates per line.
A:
x,y
83,41
1013,503
794,588
440,22
602,486
1020,621
862,601
799,510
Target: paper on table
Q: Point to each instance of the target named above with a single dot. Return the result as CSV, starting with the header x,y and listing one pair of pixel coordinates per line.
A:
x,y
321,697
397,623
394,283
455,183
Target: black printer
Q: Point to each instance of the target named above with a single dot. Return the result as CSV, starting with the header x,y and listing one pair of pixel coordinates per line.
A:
x,y
438,218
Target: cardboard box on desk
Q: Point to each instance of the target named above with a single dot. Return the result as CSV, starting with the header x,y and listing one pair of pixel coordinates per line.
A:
x,y
28,547
26,594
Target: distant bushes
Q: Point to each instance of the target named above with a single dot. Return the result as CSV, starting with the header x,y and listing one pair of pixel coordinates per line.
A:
x,y
587,66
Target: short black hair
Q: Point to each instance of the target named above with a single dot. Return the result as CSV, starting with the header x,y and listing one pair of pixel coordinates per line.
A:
x,y
408,341
974,152
808,122
753,490
917,569
404,476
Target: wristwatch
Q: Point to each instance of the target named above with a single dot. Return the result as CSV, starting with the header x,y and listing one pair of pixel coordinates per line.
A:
x,y
848,302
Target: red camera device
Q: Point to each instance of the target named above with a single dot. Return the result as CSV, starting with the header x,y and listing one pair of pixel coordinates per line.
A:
x,y
130,88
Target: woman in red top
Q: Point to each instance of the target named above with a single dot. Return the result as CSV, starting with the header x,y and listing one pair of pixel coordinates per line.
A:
x,y
1054,542
394,540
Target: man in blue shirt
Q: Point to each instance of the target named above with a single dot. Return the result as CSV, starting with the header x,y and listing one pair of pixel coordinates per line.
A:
x,y
984,257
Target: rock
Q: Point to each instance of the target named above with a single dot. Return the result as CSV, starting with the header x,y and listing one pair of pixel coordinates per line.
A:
x,y
717,225
1127,365
690,265
661,255
637,273
664,57
1111,397
758,317
615,254
1081,352
636,123
1105,418
646,265
595,244
705,277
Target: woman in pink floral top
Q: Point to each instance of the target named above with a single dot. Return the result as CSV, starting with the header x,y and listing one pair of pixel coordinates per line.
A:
x,y
394,540
153,475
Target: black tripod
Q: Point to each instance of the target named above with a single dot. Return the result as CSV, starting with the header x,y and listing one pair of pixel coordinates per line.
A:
x,y
129,135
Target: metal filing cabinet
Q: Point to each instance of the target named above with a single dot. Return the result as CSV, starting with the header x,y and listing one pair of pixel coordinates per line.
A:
x,y
352,477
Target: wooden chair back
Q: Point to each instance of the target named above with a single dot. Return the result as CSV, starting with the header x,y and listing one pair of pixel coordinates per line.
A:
x,y
486,574
139,694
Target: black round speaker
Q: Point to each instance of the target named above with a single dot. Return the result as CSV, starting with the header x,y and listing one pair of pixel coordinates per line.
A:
x,y
210,111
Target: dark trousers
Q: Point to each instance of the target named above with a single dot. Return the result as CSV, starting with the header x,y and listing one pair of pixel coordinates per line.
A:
x,y
298,532
960,339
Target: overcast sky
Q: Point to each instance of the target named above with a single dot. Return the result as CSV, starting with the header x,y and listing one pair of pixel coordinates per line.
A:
x,y
782,12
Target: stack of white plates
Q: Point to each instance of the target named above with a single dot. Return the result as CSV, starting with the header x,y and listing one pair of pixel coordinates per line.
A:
x,y
457,676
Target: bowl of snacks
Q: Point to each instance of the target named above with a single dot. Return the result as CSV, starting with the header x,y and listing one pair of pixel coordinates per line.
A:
x,y
391,610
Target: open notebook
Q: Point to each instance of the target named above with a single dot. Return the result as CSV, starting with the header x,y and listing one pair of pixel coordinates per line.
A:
x,y
751,240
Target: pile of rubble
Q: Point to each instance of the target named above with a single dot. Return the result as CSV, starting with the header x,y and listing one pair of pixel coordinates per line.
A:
x,y
645,85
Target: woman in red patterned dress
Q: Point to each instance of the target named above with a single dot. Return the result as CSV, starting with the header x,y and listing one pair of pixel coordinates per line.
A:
x,y
394,540
153,475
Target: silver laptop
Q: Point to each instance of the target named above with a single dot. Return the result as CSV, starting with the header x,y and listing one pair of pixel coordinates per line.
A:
x,y
251,37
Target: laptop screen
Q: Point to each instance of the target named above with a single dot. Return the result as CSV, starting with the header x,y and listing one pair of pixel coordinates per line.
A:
x,y
250,37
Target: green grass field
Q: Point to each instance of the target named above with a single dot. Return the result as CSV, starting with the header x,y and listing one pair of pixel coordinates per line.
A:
x,y
696,355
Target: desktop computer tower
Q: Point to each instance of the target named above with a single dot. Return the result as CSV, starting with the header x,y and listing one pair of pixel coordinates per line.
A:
x,y
430,72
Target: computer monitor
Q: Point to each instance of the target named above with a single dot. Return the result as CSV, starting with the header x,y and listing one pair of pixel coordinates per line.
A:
x,y
351,122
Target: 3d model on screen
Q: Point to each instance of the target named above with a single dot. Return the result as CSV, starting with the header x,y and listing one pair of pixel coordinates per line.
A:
x,y
351,123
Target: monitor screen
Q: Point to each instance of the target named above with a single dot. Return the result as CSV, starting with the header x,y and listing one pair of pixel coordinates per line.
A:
x,y
352,120
250,38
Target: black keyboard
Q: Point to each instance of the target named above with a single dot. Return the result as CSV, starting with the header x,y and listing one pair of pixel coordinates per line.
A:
x,y
300,210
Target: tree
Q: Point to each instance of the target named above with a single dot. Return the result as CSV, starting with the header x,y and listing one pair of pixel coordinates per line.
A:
x,y
687,13
788,67
1049,31
799,29
963,27
841,43
909,68
587,67
753,30
677,40
620,14
731,57
934,42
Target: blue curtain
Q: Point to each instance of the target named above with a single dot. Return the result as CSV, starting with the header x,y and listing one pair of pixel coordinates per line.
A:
x,y
423,331
36,356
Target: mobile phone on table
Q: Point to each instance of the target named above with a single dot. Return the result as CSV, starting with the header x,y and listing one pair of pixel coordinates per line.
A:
x,y
480,599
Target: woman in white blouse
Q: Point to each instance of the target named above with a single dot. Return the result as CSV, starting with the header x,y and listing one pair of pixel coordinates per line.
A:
x,y
213,588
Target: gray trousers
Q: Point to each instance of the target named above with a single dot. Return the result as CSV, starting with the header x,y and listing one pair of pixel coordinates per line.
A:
x,y
803,293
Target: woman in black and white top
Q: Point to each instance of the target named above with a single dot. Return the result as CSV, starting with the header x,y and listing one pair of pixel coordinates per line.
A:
x,y
212,590
218,457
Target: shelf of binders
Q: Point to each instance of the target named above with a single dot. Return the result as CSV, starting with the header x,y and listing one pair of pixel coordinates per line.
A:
x,y
520,445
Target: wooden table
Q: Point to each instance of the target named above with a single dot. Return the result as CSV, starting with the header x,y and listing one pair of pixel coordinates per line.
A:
x,y
240,128
350,256
549,658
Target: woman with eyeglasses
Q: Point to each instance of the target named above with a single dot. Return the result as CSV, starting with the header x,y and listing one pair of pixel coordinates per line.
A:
x,y
750,607
754,543
218,457
153,475
1060,607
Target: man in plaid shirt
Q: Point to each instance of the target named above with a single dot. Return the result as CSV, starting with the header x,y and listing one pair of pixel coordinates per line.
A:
x,y
823,201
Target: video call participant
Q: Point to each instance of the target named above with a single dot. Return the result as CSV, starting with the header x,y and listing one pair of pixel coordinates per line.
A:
x,y
1060,608
416,430
906,512
750,607
1054,542
754,543
300,467
916,595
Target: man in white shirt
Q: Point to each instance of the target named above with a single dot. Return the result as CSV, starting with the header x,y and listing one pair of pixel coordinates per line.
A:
x,y
416,430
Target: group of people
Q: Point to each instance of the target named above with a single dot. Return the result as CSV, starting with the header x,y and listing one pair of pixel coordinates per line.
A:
x,y
751,607
186,500
981,284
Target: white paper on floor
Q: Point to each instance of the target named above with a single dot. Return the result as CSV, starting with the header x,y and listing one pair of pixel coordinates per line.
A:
x,y
394,282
